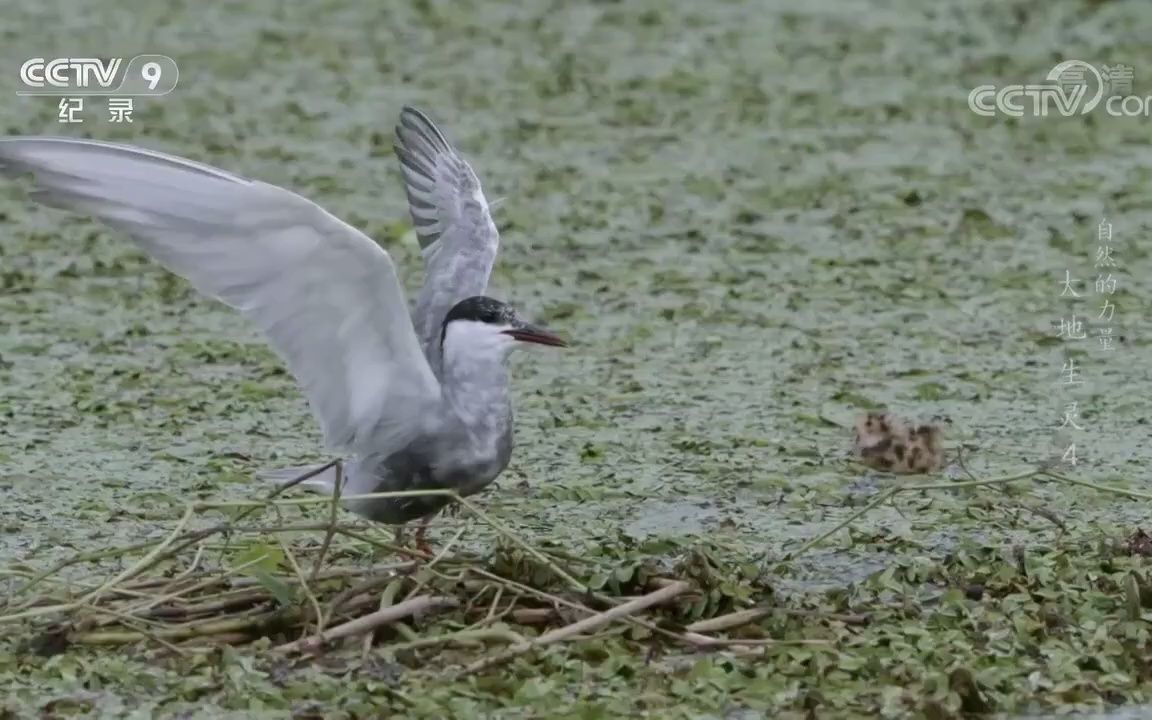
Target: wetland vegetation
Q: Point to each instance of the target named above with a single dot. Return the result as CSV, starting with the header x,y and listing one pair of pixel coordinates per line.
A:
x,y
755,221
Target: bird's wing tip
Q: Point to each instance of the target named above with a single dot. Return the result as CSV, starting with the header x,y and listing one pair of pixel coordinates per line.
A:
x,y
413,111
416,129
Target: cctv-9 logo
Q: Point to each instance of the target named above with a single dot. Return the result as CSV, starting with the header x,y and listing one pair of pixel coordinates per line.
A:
x,y
142,75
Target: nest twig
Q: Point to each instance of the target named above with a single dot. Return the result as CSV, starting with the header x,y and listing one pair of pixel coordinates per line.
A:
x,y
176,594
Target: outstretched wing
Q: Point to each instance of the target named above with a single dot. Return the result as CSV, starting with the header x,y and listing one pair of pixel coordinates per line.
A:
x,y
326,295
457,236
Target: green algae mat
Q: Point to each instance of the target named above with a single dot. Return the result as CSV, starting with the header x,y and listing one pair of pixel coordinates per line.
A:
x,y
755,222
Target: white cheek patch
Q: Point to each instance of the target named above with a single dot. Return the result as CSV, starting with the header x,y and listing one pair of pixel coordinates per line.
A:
x,y
470,339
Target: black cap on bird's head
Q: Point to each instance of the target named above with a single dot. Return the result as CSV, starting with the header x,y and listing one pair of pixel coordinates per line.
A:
x,y
489,311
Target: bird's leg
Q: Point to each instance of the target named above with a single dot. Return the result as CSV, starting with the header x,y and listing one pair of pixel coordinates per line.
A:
x,y
421,529
452,509
420,542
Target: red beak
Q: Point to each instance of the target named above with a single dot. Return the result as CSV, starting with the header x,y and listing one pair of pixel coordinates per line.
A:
x,y
536,334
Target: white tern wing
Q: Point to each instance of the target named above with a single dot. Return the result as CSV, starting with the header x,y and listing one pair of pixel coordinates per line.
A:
x,y
457,236
326,295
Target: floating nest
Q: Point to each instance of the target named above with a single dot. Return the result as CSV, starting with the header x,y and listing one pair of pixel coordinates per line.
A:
x,y
307,589
330,592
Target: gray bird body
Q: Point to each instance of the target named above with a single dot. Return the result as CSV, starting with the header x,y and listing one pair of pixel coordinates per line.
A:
x,y
469,448
464,444
412,403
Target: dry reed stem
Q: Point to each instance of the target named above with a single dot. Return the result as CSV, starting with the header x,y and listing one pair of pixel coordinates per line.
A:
x,y
587,624
369,622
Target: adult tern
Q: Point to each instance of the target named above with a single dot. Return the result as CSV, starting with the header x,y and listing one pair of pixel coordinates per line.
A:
x,y
414,403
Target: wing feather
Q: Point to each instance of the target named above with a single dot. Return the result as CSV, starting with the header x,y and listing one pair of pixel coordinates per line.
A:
x,y
326,296
457,237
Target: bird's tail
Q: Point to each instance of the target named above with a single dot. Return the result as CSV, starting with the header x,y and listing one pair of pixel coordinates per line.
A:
x,y
322,479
